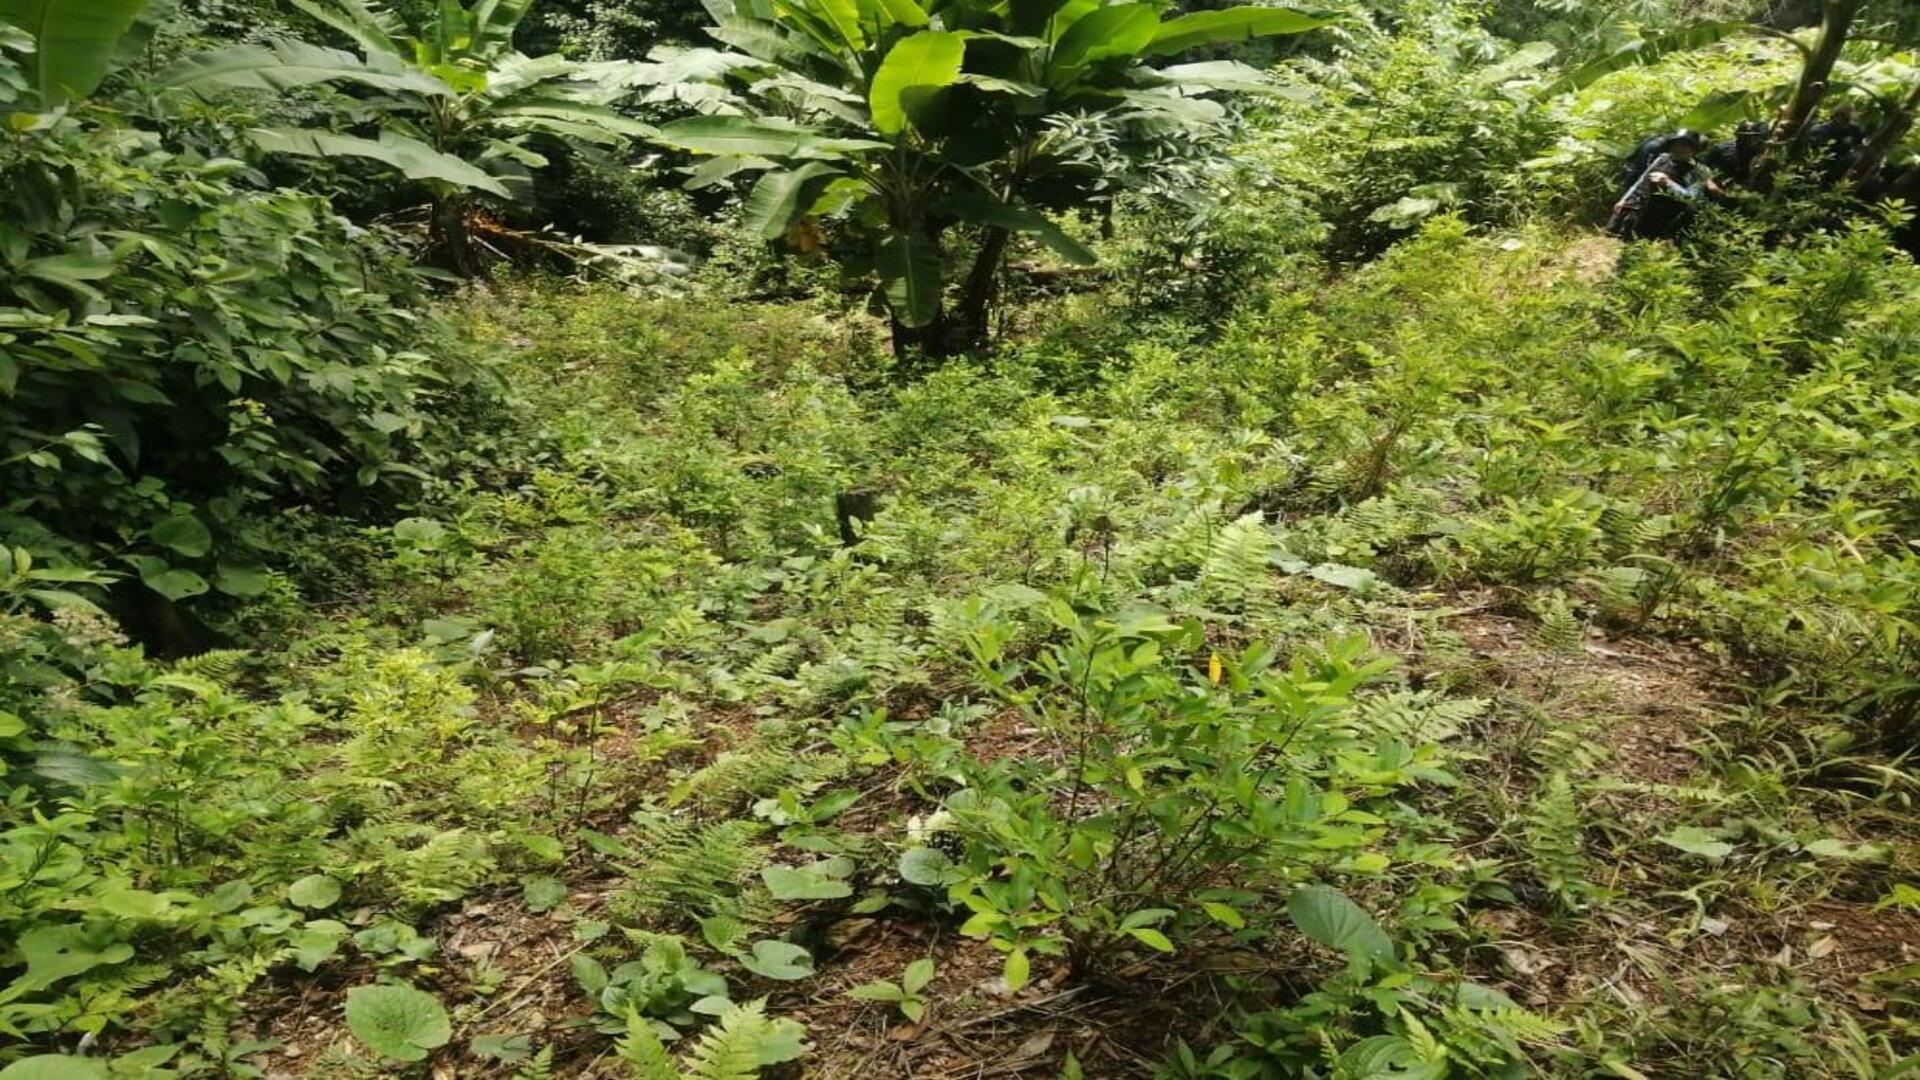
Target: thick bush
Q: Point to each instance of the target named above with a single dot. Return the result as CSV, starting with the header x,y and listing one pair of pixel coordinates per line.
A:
x,y
184,348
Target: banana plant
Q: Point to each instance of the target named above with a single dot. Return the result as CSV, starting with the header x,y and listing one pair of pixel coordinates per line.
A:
x,y
73,43
911,119
459,110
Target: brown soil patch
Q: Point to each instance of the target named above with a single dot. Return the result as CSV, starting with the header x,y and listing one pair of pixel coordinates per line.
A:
x,y
1652,694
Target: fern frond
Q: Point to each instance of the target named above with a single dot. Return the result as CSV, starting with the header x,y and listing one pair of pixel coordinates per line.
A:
x,y
539,1067
697,871
1417,716
744,1041
643,1051
220,665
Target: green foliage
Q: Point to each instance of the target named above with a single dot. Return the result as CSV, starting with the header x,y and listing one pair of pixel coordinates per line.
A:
x,y
738,1046
455,106
73,45
1395,128
866,114
176,365
904,995
398,1022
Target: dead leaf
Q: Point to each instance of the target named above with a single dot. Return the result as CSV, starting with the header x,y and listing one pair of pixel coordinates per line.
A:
x,y
1525,960
1035,1046
1823,948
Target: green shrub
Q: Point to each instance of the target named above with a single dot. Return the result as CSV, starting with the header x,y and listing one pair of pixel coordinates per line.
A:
x,y
184,350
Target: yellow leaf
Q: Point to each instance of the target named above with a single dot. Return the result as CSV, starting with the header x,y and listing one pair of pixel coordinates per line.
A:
x,y
1214,669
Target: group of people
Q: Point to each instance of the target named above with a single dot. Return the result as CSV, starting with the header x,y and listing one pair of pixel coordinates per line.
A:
x,y
1665,179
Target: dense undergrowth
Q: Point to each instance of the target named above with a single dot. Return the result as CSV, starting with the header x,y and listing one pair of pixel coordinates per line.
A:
x,y
1499,659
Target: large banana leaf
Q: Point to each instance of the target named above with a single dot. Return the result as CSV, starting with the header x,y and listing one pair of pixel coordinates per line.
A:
x,y
1120,30
1229,24
1646,51
743,136
914,70
415,159
904,12
74,41
910,276
605,124
982,208
779,198
287,65
372,31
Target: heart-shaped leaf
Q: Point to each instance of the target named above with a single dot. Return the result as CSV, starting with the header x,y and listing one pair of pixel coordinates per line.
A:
x,y
397,1022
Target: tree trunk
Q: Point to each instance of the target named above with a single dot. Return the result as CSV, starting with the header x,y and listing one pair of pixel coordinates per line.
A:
x,y
1835,22
970,330
1897,124
452,246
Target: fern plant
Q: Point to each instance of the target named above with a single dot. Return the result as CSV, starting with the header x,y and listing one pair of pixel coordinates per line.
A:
x,y
744,1041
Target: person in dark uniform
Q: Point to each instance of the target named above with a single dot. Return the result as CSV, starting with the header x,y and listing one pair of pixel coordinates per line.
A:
x,y
1636,164
1836,142
1662,199
1732,160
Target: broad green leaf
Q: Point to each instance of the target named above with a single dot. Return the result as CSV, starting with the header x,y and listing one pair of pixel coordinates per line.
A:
x,y
743,136
71,271
918,975
415,159
904,12
171,582
285,65
397,1022
54,953
1228,24
74,42
1697,841
315,892
779,960
878,991
590,974
781,197
371,30
910,275
1645,51
1328,917
788,883
1152,938
925,866
1718,108
1833,848
1122,30
76,769
844,17
982,208
1225,915
237,580
1219,75
1017,969
317,942
54,1067
183,533
543,892
133,904
915,69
